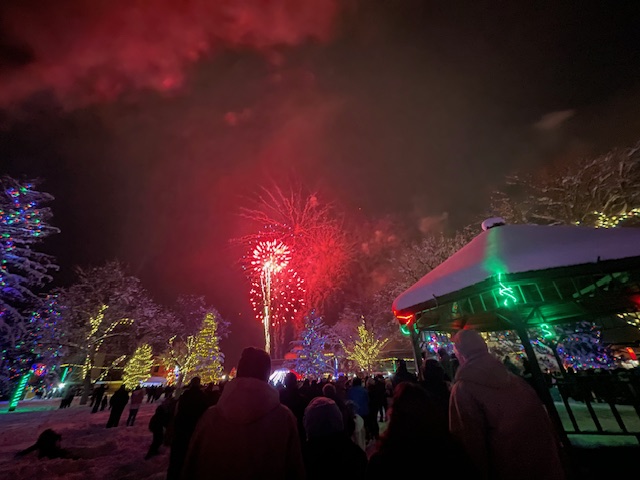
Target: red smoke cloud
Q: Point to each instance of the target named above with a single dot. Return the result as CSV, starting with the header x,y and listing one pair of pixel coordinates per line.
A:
x,y
94,50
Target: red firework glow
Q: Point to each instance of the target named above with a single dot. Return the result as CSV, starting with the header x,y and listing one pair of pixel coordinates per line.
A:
x,y
277,292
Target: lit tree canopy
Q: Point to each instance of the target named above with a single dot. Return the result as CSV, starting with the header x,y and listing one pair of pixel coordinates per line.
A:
x,y
208,358
98,315
365,350
310,349
24,223
600,191
180,349
138,368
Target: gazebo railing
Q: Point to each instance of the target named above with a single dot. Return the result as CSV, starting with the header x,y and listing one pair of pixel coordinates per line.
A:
x,y
612,401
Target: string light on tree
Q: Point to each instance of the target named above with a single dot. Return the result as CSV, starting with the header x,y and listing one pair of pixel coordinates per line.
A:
x,y
138,368
311,359
611,221
208,358
365,351
23,224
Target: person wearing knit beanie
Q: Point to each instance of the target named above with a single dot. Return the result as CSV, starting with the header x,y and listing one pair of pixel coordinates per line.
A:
x,y
322,417
327,439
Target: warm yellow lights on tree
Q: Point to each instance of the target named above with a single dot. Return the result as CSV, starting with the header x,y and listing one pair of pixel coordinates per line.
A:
x,y
138,368
365,350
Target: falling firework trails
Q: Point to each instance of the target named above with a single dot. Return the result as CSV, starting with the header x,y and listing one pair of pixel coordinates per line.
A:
x,y
280,288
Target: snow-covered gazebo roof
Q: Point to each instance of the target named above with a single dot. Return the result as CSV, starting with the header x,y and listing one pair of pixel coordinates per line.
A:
x,y
506,253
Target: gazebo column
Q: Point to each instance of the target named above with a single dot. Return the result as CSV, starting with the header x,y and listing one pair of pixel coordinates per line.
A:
x,y
417,352
539,382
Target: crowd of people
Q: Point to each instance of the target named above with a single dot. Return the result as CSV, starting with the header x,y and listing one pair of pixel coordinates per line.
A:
x,y
469,413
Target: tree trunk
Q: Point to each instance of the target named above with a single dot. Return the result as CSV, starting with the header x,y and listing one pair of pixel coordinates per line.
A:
x,y
86,388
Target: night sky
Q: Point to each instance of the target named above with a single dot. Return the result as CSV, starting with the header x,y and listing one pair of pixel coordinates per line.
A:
x,y
153,122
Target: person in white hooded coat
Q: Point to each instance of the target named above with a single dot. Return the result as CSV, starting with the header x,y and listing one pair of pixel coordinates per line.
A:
x,y
248,434
499,418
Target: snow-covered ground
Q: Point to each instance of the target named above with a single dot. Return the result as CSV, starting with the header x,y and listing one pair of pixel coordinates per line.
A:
x,y
118,453
115,453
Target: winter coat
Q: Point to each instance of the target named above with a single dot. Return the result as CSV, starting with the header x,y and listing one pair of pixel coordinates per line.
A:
x,y
360,397
136,399
247,435
502,424
347,459
119,399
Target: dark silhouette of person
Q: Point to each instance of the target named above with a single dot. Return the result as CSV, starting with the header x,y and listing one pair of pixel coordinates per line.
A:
x,y
104,403
402,375
136,400
446,364
249,434
326,439
68,398
329,391
157,426
291,398
435,384
191,405
99,393
47,446
212,394
415,420
118,401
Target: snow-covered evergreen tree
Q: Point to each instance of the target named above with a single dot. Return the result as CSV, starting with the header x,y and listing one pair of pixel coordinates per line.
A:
x,y
310,349
208,358
138,368
24,223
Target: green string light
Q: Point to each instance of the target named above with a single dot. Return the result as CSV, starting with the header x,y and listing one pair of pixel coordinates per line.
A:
x,y
17,395
506,292
547,331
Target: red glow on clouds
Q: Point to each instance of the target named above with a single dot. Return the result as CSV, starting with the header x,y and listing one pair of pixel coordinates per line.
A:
x,y
94,50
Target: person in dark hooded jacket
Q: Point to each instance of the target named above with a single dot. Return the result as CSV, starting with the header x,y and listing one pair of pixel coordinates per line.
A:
x,y
190,407
416,422
327,439
249,434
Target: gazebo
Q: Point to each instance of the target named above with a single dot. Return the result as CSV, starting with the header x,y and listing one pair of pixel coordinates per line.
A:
x,y
514,277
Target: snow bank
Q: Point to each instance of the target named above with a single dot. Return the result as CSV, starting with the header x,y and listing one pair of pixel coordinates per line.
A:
x,y
116,453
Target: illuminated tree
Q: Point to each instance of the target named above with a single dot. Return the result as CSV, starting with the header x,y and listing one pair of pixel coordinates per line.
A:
x,y
578,345
277,293
311,349
208,358
24,223
189,313
180,353
365,350
603,192
138,368
98,316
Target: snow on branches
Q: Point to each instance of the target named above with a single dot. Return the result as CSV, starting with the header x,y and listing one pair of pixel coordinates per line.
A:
x,y
24,223
601,191
311,352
